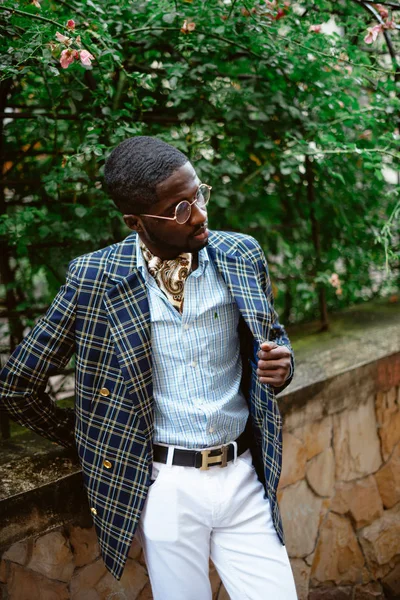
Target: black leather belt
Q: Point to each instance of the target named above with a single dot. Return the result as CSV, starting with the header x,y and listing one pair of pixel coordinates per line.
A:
x,y
202,459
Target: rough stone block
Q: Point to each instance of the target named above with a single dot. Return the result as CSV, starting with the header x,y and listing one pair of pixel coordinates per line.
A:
x,y
300,513
360,499
52,556
135,549
388,375
312,411
388,479
214,579
146,593
381,542
223,594
84,545
86,579
3,571
131,584
356,442
86,595
317,436
388,418
372,591
333,593
325,507
391,583
293,460
25,584
301,574
17,553
338,557
321,473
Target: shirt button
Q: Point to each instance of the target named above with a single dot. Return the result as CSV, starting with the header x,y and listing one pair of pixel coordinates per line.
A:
x,y
93,511
104,392
107,464
186,326
193,364
211,430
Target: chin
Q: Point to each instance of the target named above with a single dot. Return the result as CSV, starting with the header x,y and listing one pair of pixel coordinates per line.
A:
x,y
197,245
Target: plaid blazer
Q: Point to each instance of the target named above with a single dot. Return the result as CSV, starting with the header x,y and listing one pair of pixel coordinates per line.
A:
x,y
102,314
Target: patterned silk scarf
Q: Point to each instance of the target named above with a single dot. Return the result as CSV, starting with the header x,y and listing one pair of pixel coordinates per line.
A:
x,y
170,275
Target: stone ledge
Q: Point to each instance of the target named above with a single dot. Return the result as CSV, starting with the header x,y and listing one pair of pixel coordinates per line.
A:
x,y
44,508
359,336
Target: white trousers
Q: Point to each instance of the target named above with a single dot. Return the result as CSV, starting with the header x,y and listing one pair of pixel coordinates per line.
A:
x,y
191,515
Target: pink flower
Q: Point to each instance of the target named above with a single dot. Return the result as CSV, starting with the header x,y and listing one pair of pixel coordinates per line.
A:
x,y
334,280
280,14
67,57
36,3
70,24
187,27
389,25
86,58
62,38
373,33
366,135
384,13
315,28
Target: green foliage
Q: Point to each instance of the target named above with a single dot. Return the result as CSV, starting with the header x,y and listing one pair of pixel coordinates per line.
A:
x,y
292,128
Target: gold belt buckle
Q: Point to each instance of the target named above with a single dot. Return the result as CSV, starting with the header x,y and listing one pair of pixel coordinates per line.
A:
x,y
207,460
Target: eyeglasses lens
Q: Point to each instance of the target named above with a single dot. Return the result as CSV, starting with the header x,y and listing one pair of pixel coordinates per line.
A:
x,y
182,212
203,195
184,209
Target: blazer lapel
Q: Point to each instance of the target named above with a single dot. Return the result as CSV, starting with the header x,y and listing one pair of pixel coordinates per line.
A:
x,y
240,277
128,314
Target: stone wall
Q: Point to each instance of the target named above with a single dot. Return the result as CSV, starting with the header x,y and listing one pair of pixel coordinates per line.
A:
x,y
340,487
339,494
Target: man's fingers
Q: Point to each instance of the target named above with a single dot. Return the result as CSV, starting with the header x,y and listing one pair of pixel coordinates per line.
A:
x,y
269,381
272,365
274,353
268,346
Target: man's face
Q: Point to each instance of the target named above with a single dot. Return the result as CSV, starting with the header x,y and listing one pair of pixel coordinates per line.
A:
x,y
167,239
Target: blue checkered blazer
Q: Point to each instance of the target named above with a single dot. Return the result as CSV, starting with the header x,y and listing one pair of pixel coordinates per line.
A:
x,y
102,315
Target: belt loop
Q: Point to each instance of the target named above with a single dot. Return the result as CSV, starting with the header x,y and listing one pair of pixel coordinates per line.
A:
x,y
170,456
235,452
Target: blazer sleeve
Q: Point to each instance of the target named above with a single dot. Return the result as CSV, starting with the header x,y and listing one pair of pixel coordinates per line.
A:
x,y
277,333
46,349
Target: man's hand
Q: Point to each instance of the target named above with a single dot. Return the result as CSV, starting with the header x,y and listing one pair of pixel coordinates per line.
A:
x,y
274,364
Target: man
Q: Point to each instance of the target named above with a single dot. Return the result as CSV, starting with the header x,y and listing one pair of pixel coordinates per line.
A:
x,y
175,383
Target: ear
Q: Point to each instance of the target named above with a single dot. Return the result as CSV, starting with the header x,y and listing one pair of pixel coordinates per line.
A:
x,y
133,222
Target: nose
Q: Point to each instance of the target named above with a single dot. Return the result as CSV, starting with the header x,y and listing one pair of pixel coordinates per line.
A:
x,y
198,215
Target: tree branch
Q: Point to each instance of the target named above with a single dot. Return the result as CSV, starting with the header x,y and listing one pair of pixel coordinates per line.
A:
x,y
23,13
198,31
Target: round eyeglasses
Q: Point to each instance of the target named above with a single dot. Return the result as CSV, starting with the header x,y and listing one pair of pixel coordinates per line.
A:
x,y
183,210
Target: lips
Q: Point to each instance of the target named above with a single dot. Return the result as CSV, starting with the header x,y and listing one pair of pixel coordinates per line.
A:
x,y
203,230
201,234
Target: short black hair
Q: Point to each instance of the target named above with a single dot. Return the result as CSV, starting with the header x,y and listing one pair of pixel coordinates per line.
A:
x,y
135,167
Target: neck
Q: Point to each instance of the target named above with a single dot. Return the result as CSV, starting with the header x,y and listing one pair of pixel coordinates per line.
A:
x,y
165,255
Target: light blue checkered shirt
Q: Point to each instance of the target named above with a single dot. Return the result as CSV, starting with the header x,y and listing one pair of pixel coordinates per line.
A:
x,y
196,361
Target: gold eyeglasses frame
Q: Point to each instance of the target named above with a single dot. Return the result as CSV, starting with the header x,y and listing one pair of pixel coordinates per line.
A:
x,y
190,204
